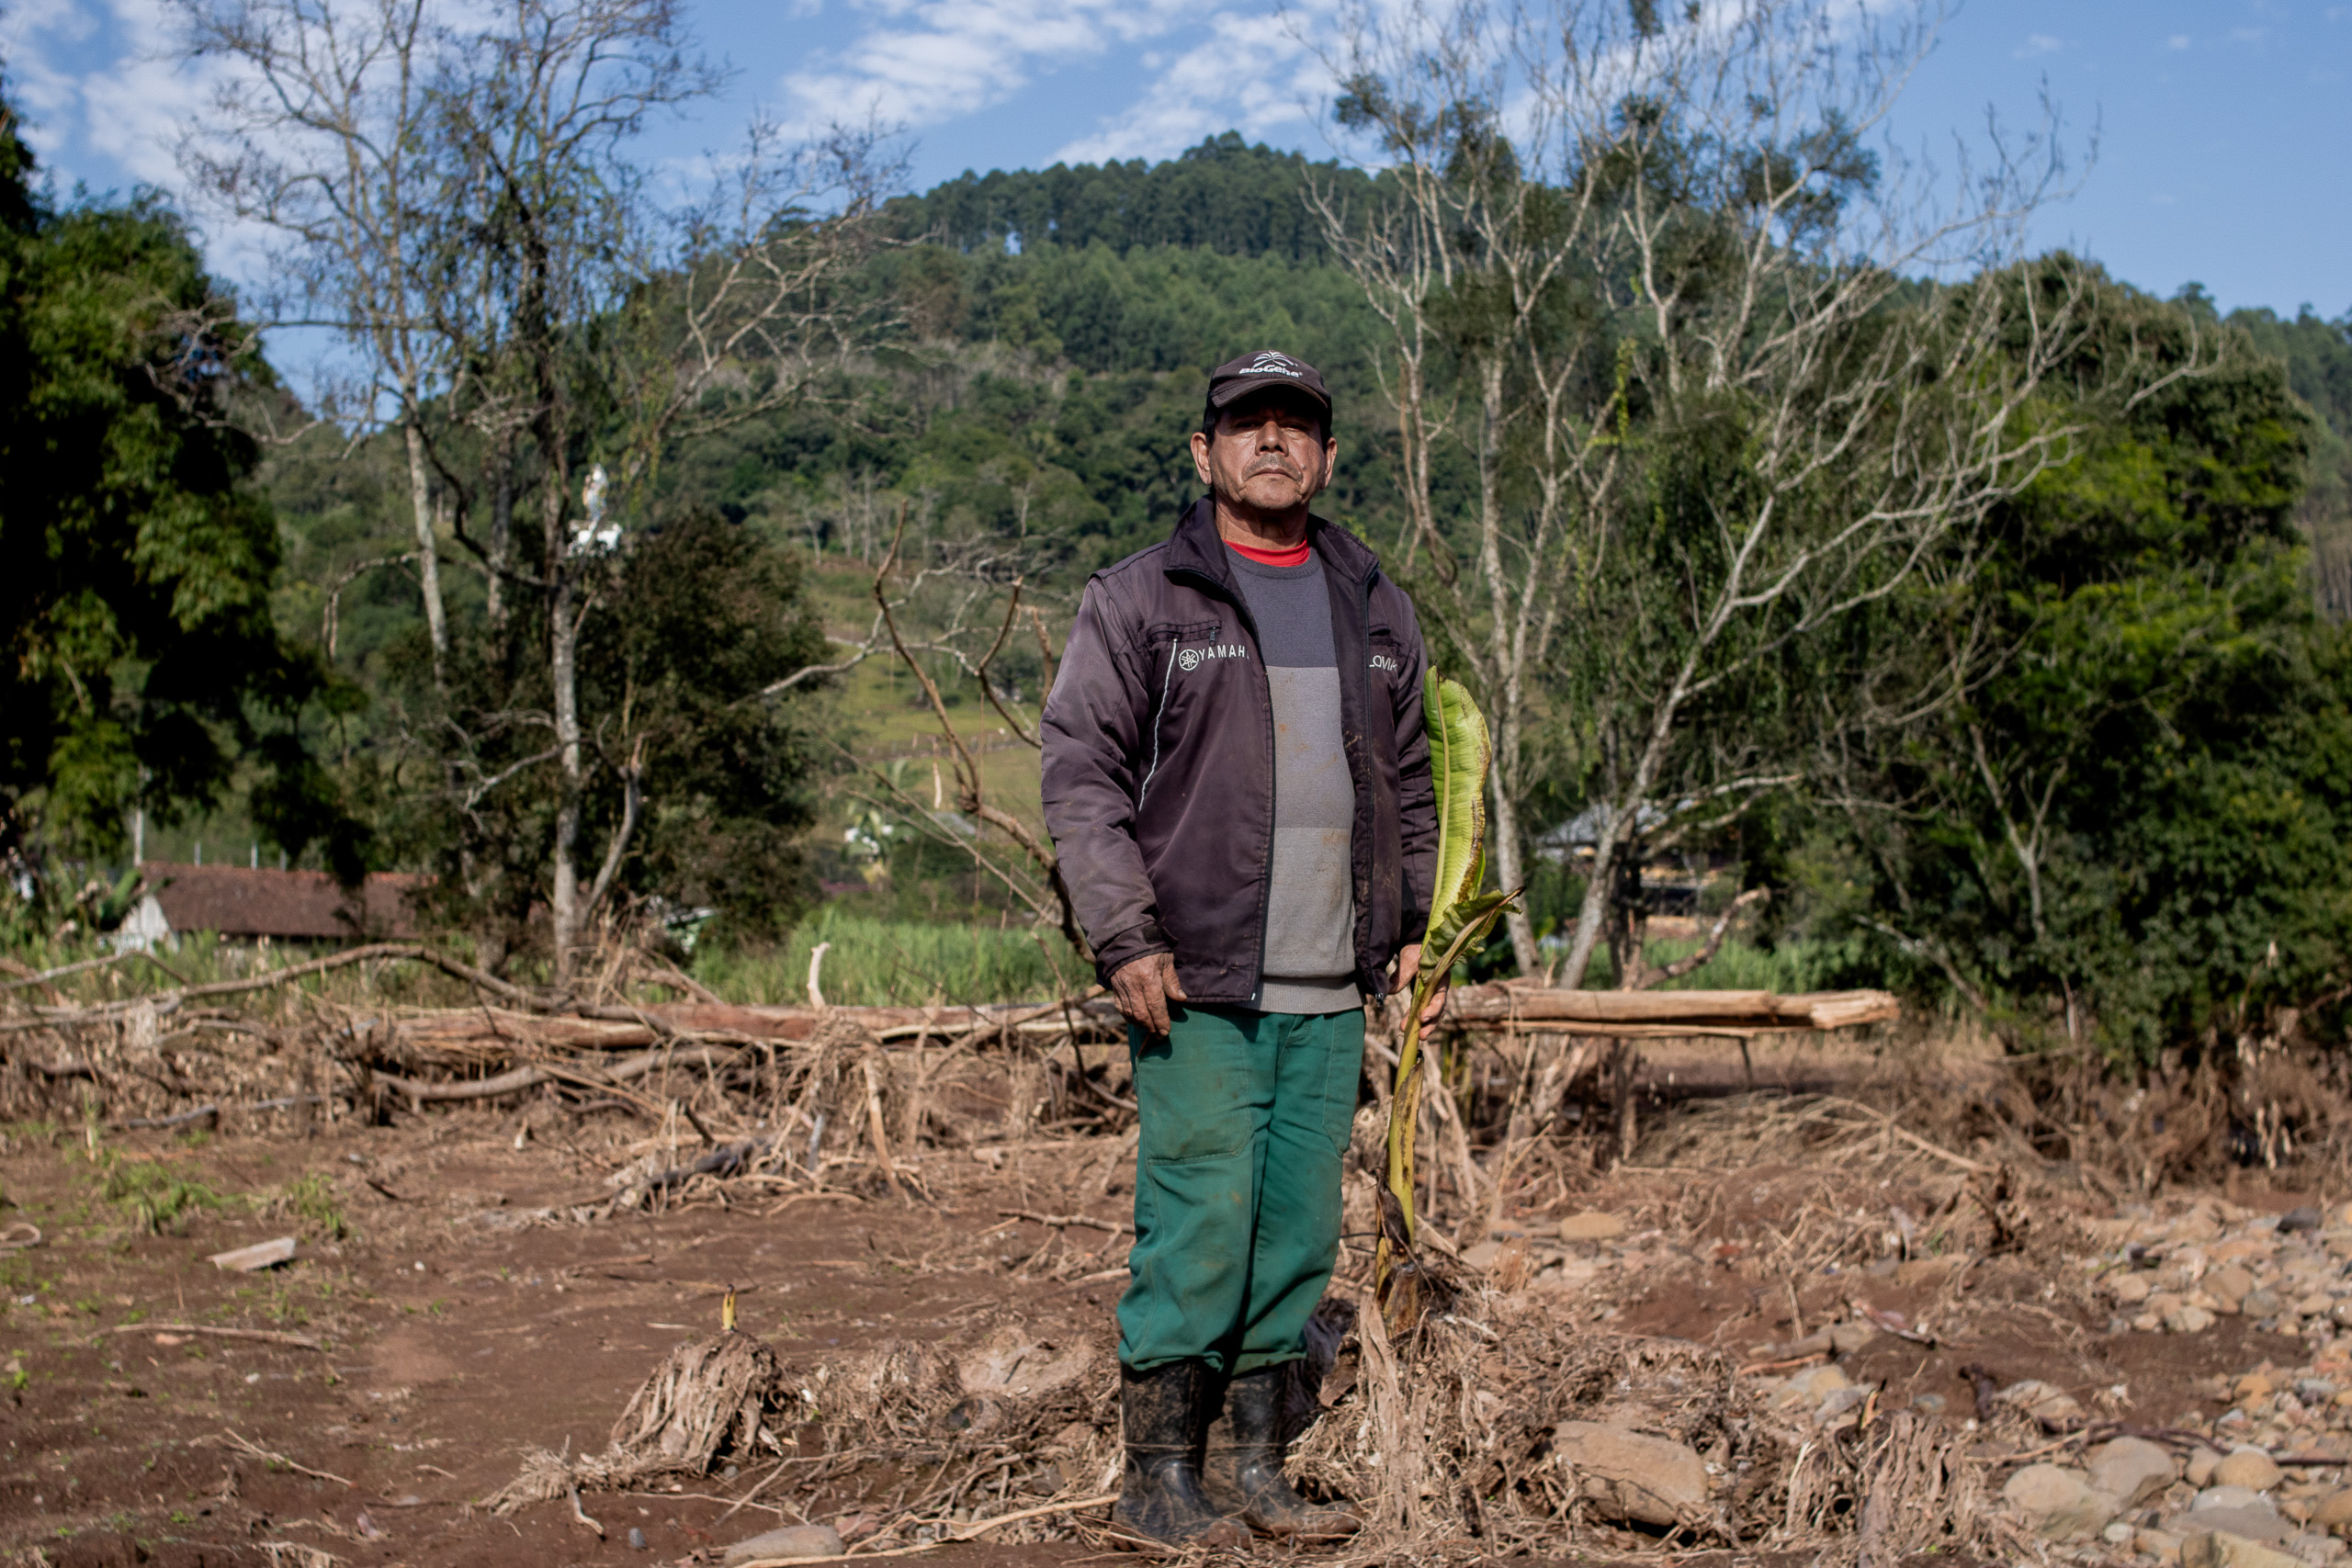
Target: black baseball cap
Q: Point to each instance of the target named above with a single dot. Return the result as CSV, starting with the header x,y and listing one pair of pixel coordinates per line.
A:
x,y
1237,378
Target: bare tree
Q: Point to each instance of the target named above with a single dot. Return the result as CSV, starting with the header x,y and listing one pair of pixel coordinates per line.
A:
x,y
460,193
603,328
1725,372
320,134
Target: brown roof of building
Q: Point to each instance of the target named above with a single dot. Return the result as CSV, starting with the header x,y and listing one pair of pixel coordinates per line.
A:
x,y
295,906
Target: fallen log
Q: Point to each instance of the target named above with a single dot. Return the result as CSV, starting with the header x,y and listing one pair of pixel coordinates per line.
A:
x,y
530,1075
476,1028
1625,1013
1636,1013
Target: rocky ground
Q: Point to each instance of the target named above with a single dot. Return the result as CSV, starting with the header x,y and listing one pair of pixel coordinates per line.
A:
x,y
1733,1340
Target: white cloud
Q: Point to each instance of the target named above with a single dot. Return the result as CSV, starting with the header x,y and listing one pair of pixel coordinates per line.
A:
x,y
935,59
2038,43
1250,73
104,87
2177,40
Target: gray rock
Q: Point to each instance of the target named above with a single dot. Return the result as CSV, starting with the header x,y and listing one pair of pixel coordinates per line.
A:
x,y
2304,1218
636,1539
2317,1549
2247,1523
1840,1401
1817,1383
2261,1301
2314,1391
1632,1475
2058,1503
793,1541
2222,1494
2132,1469
2042,1401
1847,1338
2249,1468
2219,1549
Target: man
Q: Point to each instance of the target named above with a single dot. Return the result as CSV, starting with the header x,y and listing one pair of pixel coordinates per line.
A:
x,y
1238,787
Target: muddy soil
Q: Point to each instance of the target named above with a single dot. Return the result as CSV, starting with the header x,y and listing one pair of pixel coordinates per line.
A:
x,y
457,1324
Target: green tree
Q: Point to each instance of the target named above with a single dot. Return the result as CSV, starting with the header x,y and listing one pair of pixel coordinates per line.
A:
x,y
2127,829
135,556
2317,354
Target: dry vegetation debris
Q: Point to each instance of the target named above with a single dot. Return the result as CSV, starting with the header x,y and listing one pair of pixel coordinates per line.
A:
x,y
1708,1330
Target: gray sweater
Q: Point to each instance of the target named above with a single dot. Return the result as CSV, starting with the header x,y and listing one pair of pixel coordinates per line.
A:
x,y
1309,963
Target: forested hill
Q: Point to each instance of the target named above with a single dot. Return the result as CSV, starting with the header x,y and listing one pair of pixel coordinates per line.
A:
x,y
2318,356
1224,194
1022,405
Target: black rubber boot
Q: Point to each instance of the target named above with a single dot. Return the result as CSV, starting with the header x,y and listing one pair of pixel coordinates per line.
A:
x,y
1163,1411
1242,1469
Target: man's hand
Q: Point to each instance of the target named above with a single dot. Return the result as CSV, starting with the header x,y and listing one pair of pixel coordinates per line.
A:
x,y
1408,965
1145,987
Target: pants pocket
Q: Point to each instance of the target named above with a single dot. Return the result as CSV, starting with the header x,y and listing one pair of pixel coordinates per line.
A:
x,y
1190,1107
1344,1074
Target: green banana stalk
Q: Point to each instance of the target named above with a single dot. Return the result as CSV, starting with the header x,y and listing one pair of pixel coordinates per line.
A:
x,y
1460,916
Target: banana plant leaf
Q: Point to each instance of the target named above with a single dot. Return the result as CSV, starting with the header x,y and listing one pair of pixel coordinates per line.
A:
x,y
1460,919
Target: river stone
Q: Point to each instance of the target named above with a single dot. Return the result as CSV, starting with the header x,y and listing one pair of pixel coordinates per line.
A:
x,y
1632,1475
2058,1503
2219,1549
2249,1469
1839,1403
2250,1524
1847,1338
1817,1383
2043,1402
2261,1301
2228,1287
793,1541
2333,1511
2131,1469
1011,1362
2220,1496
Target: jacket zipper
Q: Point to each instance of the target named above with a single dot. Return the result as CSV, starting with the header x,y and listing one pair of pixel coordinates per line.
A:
x,y
1166,679
1369,806
1266,693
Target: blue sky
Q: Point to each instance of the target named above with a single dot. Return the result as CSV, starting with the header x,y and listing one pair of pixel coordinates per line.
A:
x,y
2222,125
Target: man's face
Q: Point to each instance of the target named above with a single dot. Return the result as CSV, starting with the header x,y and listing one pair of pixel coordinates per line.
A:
x,y
1268,452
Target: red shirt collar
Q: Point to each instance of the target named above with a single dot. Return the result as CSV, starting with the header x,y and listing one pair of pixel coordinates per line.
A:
x,y
1296,555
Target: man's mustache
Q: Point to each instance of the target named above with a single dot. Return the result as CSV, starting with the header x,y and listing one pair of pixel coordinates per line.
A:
x,y
1271,465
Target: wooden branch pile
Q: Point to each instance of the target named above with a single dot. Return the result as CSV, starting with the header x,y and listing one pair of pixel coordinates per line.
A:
x,y
284,1040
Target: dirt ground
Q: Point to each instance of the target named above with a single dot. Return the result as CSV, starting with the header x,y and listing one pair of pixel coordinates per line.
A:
x,y
462,1319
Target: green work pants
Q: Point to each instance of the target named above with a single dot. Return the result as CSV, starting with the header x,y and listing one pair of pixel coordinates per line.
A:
x,y
1245,1118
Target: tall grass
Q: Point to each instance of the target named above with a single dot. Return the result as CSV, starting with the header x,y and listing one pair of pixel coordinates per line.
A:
x,y
196,958
1791,966
875,963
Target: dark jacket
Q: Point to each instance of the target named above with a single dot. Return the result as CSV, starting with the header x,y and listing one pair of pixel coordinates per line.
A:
x,y
1160,769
